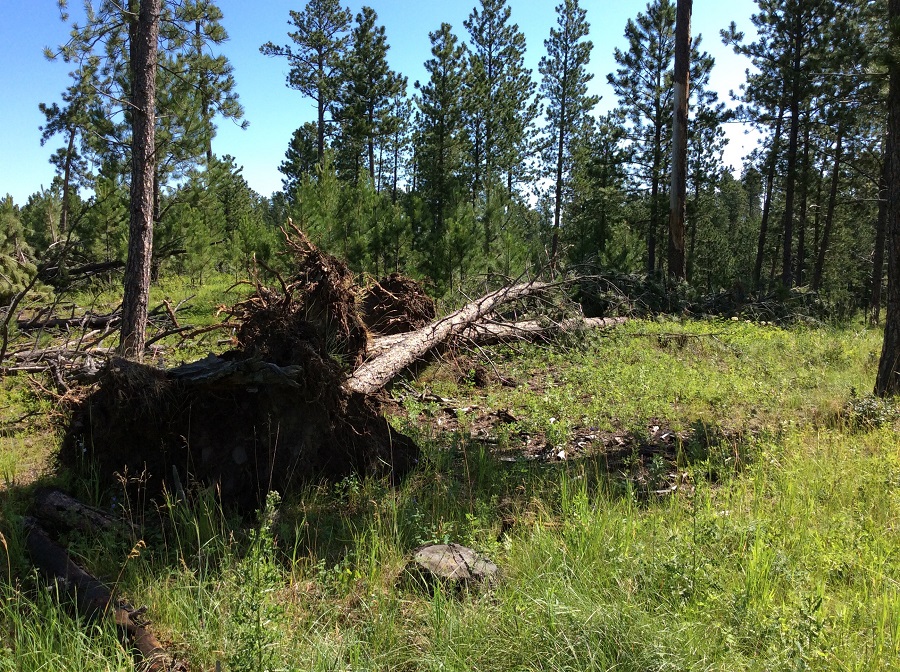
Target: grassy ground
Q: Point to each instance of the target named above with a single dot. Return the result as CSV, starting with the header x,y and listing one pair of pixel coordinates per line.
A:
x,y
765,538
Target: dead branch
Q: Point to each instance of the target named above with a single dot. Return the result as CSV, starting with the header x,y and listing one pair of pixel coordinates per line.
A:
x,y
4,326
167,332
171,313
86,321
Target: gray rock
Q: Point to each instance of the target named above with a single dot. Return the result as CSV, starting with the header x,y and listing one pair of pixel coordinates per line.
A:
x,y
453,563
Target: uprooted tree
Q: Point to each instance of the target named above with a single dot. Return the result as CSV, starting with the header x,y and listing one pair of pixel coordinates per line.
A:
x,y
297,398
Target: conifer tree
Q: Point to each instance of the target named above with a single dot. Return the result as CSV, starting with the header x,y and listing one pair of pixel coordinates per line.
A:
x,y
319,39
117,52
16,264
564,87
366,101
598,189
792,40
440,151
499,106
644,85
300,158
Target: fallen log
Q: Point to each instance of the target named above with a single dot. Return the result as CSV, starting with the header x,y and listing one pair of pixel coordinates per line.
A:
x,y
378,371
86,321
58,509
94,600
489,333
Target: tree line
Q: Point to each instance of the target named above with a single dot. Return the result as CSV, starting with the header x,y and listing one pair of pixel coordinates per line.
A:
x,y
484,167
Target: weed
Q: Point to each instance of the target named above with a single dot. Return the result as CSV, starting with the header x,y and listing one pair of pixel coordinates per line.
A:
x,y
255,615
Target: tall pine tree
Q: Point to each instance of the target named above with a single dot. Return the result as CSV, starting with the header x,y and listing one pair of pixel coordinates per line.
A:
x,y
564,86
319,39
440,154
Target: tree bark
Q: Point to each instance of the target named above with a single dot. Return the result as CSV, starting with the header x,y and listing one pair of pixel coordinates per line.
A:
x,y
878,254
678,192
829,214
144,46
888,380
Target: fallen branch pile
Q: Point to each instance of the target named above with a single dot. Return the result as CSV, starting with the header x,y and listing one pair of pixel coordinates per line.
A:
x,y
81,353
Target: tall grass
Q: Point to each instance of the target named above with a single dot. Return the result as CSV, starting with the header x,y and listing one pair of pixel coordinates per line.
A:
x,y
788,563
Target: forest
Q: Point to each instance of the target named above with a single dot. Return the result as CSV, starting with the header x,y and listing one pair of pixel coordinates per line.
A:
x,y
487,168
641,404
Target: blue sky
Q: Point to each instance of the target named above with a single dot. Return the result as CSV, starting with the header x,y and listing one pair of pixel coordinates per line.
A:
x,y
273,110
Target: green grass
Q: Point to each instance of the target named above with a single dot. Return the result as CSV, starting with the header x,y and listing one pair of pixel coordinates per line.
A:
x,y
791,562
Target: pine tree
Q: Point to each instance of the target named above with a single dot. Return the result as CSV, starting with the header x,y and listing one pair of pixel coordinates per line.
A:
x,y
644,86
117,52
598,189
366,101
499,107
564,86
440,152
300,158
320,42
793,40
16,263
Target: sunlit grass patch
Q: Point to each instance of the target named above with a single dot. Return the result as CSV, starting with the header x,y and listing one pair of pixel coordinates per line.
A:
x,y
778,551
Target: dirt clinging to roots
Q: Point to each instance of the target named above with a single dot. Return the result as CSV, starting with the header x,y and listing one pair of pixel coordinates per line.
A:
x,y
265,416
396,304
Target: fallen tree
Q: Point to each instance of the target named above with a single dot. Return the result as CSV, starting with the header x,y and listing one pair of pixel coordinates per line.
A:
x,y
380,370
94,600
491,333
297,399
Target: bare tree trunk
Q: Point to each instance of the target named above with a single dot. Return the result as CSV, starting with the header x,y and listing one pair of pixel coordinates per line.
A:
x,y
678,191
767,203
787,241
829,215
654,201
878,254
888,379
557,208
804,205
144,46
67,186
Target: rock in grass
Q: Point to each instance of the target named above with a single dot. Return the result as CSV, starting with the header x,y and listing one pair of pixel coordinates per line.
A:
x,y
453,563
